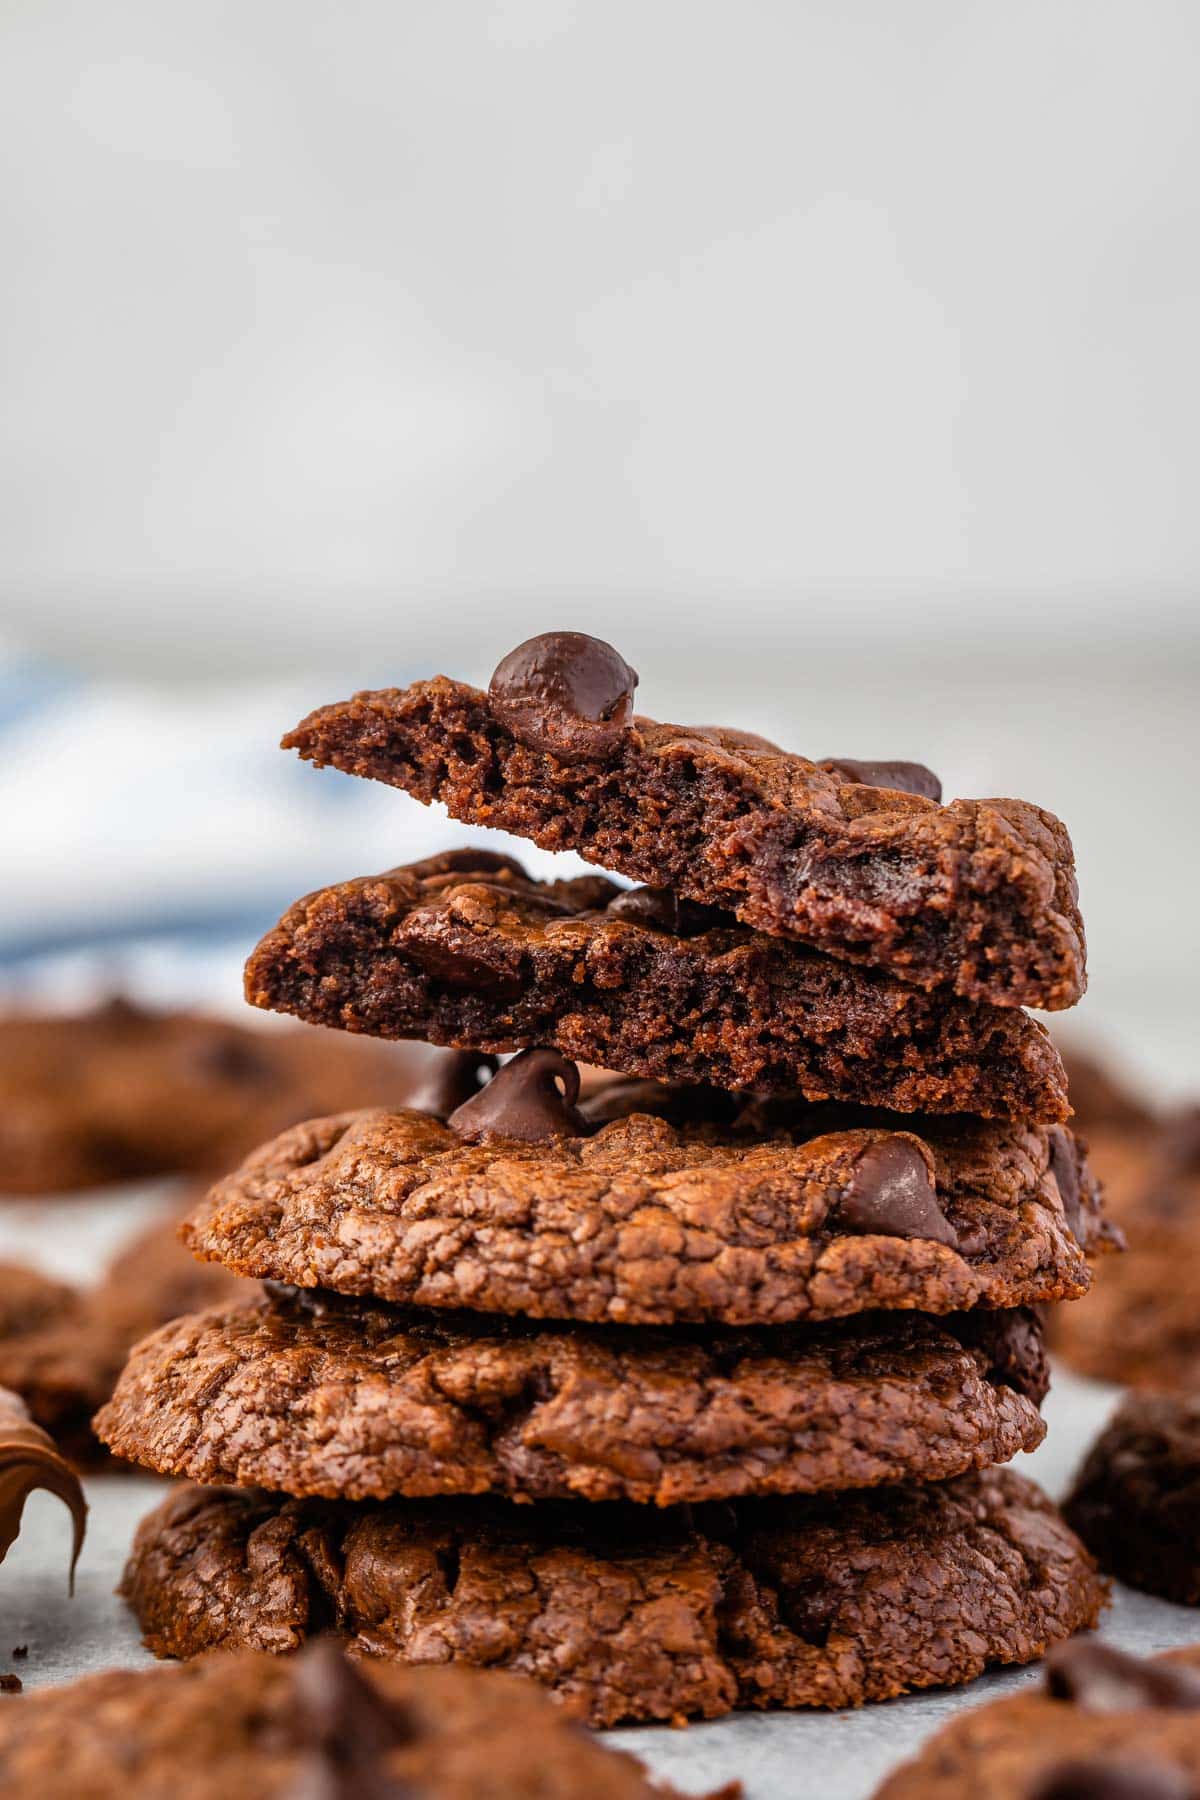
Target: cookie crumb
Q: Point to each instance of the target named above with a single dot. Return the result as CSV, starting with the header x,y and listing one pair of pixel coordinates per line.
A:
x,y
20,1650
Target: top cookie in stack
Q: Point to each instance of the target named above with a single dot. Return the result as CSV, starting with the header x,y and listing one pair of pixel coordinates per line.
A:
x,y
783,1250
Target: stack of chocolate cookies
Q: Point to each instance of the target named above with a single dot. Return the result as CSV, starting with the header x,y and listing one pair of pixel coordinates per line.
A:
x,y
685,1387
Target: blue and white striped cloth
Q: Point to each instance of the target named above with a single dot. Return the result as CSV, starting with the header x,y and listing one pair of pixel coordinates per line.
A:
x,y
150,835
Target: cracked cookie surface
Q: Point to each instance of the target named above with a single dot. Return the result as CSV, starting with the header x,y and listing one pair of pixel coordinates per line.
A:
x,y
625,1612
648,1223
354,1401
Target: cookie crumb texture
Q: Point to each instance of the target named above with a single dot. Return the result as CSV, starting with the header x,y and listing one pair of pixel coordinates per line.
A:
x,y
977,895
1036,1743
227,1728
363,1402
646,1223
630,1614
1136,1500
484,958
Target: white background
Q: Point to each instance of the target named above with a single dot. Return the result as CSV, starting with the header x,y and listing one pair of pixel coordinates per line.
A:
x,y
837,361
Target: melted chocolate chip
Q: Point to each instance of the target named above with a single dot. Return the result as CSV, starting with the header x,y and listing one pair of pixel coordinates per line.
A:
x,y
29,1460
1012,1341
449,1081
661,909
1096,1778
1101,1679
314,1303
903,777
678,1102
340,1711
524,1101
346,1726
565,693
1066,1174
890,1192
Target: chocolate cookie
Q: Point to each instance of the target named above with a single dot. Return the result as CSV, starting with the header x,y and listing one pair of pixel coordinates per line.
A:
x,y
625,1612
856,860
647,1223
465,949
123,1092
1136,1500
252,1727
1102,1726
29,1299
62,1348
345,1399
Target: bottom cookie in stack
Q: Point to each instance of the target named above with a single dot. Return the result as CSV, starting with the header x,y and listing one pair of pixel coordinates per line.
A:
x,y
627,1613
817,1597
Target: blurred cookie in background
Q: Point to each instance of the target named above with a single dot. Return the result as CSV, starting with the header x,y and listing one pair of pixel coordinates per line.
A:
x,y
1115,1120
124,1091
1135,1501
1140,1324
62,1347
1101,1725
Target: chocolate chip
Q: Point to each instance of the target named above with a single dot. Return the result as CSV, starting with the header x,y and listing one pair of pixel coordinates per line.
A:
x,y
1012,1341
904,777
1096,1778
661,909
628,1094
681,1103
340,1712
314,1303
565,693
890,1192
1065,1171
11,1684
809,1610
524,1101
450,1079
1101,1679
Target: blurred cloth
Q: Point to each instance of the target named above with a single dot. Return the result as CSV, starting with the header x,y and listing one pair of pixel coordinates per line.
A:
x,y
151,835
